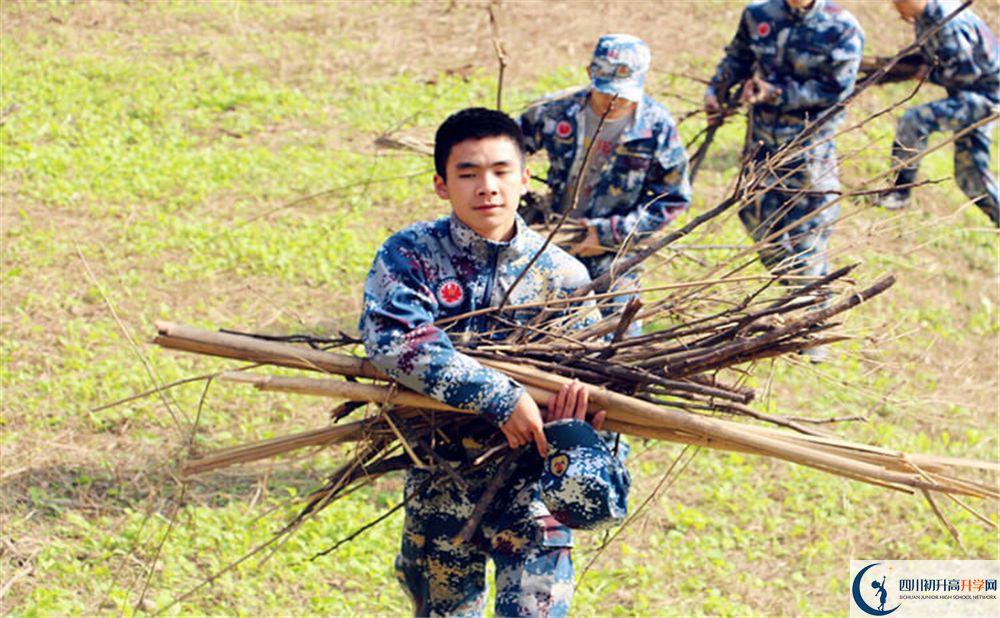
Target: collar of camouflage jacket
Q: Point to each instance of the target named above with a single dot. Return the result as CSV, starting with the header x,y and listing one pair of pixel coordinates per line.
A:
x,y
638,128
483,249
935,11
805,13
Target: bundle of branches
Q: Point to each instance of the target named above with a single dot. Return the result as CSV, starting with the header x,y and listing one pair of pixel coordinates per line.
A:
x,y
681,382
669,384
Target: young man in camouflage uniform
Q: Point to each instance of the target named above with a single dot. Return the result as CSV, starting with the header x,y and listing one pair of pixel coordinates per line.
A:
x,y
795,60
443,268
636,181
962,57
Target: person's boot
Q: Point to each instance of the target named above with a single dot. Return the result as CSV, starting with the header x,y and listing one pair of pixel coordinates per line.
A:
x,y
893,200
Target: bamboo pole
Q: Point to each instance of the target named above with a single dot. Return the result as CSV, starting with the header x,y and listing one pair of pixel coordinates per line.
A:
x,y
271,448
654,420
201,341
834,456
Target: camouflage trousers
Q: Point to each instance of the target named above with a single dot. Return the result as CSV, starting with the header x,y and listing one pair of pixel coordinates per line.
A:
x,y
529,548
972,150
792,220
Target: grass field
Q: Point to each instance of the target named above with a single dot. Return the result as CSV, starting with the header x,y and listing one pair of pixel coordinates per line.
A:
x,y
213,163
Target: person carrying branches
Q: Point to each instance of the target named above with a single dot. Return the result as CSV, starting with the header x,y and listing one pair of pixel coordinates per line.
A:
x,y
443,269
794,59
635,180
963,57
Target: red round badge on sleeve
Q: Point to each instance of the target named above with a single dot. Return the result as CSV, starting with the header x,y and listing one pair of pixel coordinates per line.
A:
x,y
450,293
563,129
764,29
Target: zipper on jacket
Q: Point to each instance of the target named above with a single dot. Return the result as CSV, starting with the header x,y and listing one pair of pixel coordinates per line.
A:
x,y
490,284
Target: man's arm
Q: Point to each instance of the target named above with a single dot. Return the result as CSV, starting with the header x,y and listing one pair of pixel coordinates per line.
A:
x,y
956,54
665,194
735,67
400,337
531,122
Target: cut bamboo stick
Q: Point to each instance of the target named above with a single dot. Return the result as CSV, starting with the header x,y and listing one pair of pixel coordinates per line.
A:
x,y
225,345
630,415
271,448
838,457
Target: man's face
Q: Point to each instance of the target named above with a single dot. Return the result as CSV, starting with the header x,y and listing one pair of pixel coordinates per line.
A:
x,y
600,101
486,179
909,9
800,4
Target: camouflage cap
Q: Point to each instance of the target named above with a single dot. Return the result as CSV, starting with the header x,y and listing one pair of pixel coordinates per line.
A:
x,y
583,484
619,66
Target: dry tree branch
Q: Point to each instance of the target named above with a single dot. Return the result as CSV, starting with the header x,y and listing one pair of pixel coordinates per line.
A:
x,y
573,203
494,8
665,482
873,79
128,337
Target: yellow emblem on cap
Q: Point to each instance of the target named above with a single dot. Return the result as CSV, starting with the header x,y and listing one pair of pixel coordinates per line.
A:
x,y
558,464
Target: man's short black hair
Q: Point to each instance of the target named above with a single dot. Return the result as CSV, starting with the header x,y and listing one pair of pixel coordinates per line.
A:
x,y
473,123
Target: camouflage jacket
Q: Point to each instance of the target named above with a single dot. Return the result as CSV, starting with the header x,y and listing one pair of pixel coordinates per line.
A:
x,y
964,53
644,184
812,55
438,269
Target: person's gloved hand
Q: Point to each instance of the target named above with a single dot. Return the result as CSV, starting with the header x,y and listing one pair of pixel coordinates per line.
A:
x,y
757,90
589,246
713,111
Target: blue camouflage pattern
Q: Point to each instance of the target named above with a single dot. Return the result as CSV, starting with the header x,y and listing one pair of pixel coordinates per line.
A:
x,y
644,184
964,57
813,56
792,222
619,65
584,484
963,54
435,270
529,548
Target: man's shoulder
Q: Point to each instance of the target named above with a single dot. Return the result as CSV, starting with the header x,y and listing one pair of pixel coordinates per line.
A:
x,y
557,260
551,103
417,234
761,10
655,112
839,17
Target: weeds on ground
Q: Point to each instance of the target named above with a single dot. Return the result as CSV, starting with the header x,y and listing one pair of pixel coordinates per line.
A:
x,y
179,163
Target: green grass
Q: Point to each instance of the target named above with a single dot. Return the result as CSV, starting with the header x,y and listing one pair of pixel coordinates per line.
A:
x,y
170,145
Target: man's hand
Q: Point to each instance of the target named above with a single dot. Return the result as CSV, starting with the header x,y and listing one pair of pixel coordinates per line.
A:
x,y
525,425
589,246
713,111
756,90
921,72
571,402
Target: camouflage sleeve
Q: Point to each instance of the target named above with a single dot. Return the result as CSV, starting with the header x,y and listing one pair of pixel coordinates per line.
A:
x,y
531,126
831,84
397,326
584,313
737,65
665,194
956,55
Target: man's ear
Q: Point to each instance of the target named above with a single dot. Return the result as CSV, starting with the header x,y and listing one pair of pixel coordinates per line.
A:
x,y
525,179
440,187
